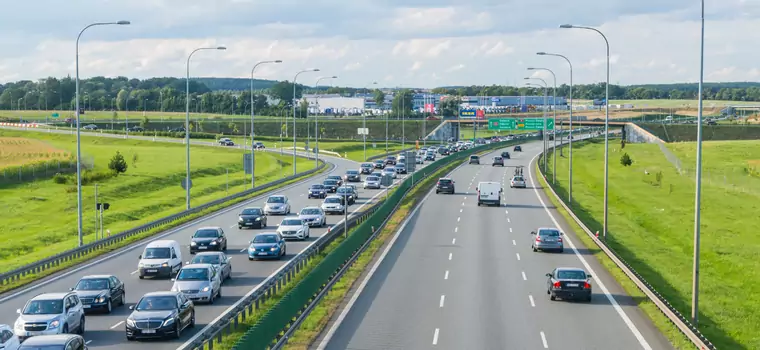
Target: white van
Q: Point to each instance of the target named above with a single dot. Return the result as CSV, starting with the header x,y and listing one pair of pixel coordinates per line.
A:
x,y
489,193
160,259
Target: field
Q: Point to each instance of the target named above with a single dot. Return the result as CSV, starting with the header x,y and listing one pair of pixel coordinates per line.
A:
x,y
651,211
15,151
41,215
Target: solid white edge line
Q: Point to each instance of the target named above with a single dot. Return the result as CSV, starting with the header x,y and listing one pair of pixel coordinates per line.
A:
x,y
642,341
435,336
532,303
118,324
440,303
88,342
543,340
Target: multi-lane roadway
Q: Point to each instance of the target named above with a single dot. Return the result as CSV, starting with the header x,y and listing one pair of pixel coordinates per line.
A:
x,y
461,276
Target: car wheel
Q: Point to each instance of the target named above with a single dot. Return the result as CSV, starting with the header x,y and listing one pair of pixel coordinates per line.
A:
x,y
192,320
534,249
588,298
177,330
552,297
240,227
130,338
109,307
141,277
561,250
250,258
65,329
219,293
121,298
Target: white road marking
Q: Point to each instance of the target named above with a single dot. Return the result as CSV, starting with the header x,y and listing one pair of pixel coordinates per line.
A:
x,y
243,250
506,212
451,255
508,220
460,210
118,324
518,256
134,272
513,242
440,303
456,229
543,340
459,218
90,341
462,203
642,341
525,278
510,230
446,275
532,303
465,197
233,226
435,336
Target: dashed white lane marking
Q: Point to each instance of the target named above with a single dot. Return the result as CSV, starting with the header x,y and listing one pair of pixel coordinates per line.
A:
x,y
134,272
518,256
446,275
510,230
454,241
513,242
543,340
233,226
451,255
506,212
459,218
460,210
440,303
462,203
118,324
465,197
435,336
456,229
532,303
88,342
525,278
508,220
243,250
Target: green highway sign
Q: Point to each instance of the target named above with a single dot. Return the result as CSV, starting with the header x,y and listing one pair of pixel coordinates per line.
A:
x,y
55,115
520,124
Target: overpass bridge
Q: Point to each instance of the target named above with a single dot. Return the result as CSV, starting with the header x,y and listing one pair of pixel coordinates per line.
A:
x,y
450,128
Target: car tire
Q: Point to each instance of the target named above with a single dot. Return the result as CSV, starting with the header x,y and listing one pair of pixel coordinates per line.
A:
x,y
240,227
122,298
82,325
588,298
141,277
562,250
219,293
130,338
109,307
177,330
534,249
552,297
250,258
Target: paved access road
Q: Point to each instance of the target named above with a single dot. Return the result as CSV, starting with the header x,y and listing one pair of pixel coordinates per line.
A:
x,y
107,331
461,276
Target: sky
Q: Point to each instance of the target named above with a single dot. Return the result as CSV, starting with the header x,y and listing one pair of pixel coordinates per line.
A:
x,y
410,43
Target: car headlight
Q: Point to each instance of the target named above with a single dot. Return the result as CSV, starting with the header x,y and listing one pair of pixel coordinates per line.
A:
x,y
213,242
251,249
166,264
19,323
258,219
168,322
206,289
193,243
131,322
240,218
54,324
101,299
140,265
273,249
175,288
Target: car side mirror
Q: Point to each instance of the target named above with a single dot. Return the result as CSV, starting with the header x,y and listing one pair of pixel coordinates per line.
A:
x,y
71,289
18,311
588,276
548,275
561,234
131,307
533,232
174,279
140,256
174,256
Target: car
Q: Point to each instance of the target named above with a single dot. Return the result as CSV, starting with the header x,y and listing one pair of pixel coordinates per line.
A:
x,y
489,193
366,168
135,129
100,292
160,315
336,178
219,260
313,216
505,155
259,145
50,313
400,168
420,160
333,205
277,204
474,160
90,127
9,340
498,161
372,182
317,191
348,194
517,181
199,283
268,245
353,176
548,238
379,164
390,160
517,149
430,156
224,141
443,151
377,174
162,258
49,342
569,283
252,217
444,185
390,171
293,228
331,186
208,238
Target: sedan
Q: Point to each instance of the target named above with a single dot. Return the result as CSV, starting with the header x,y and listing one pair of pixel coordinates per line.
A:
x,y
208,238
377,174
474,160
505,155
100,292
390,171
353,176
517,182
317,191
372,182
219,260
336,178
379,164
517,149
199,283
420,160
331,186
400,168
268,245
44,342
390,160
277,205
366,168
568,283
347,194
430,156
252,217
313,216
160,315
548,239
9,340
333,205
293,229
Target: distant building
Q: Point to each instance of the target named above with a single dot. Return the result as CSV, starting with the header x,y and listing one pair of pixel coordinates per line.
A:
x,y
335,104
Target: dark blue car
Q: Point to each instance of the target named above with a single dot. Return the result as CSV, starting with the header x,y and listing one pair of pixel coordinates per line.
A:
x,y
268,245
317,191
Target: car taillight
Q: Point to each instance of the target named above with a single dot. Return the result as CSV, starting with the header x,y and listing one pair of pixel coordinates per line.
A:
x,y
559,239
538,239
438,183
557,285
586,285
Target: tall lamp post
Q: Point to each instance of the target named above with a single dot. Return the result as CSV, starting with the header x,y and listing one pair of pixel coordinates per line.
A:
x,y
316,122
697,197
546,93
79,141
554,108
253,146
570,167
294,115
187,121
606,123
364,122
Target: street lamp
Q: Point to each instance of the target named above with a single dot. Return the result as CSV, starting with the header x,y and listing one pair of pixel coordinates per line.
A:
x,y
253,147
554,108
294,114
187,121
606,123
364,122
79,143
316,122
546,92
698,195
570,170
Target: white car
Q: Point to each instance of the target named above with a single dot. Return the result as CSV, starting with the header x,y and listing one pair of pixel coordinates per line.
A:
x,y
372,182
50,313
8,340
293,228
277,205
333,205
420,160
313,216
517,182
390,170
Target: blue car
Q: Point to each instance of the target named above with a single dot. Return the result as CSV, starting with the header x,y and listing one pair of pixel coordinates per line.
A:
x,y
317,191
268,245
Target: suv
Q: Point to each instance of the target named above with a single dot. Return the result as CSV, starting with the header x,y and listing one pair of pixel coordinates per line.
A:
x,y
224,141
50,313
517,149
474,160
444,185
498,161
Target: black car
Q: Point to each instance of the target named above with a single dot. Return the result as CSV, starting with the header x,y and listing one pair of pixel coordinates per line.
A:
x,y
317,191
498,161
336,178
517,149
353,176
443,151
208,238
367,168
252,217
348,194
135,129
474,160
331,185
568,283
390,160
160,315
100,292
379,164
54,341
444,185
401,168
505,155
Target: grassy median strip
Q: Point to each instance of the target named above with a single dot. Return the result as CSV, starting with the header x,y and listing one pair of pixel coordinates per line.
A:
x,y
660,321
95,253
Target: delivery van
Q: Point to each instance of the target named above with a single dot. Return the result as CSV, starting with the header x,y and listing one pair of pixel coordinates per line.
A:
x,y
489,193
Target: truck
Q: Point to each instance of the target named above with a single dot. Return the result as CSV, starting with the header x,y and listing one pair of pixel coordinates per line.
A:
x,y
489,193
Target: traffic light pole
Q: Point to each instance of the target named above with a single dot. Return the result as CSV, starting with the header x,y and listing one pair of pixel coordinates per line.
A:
x,y
96,212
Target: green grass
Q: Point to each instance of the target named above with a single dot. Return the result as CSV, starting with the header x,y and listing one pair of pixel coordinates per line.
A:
x,y
651,227
90,116
40,218
667,103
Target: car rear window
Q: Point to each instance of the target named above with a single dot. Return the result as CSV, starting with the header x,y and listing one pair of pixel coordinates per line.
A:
x,y
571,274
352,172
444,181
474,157
549,233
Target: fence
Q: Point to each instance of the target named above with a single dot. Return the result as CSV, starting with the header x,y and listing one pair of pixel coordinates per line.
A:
x,y
42,170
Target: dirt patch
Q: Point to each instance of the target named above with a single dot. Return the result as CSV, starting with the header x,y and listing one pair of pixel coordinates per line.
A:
x,y
15,151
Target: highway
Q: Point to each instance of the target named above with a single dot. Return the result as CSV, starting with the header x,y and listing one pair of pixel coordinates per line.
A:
x,y
461,276
107,331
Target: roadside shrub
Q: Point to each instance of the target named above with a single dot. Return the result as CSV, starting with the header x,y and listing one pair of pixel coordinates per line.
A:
x,y
626,160
118,164
60,178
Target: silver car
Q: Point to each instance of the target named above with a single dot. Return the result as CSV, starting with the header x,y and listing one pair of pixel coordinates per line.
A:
x,y
277,205
50,313
548,238
333,205
219,260
390,170
313,216
372,182
517,182
293,229
198,282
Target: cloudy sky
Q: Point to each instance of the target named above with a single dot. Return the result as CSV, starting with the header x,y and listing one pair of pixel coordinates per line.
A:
x,y
421,43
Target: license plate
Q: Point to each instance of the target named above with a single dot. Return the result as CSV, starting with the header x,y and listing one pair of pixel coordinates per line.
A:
x,y
202,247
263,253
152,270
149,331
572,284
86,306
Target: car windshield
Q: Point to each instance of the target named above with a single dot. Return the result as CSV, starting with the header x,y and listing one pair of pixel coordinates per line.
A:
x,y
157,303
518,178
391,157
444,181
352,172
497,159
571,275
317,187
310,211
331,182
389,169
92,284
402,165
276,199
332,200
206,234
193,274
265,239
343,190
334,177
291,222
207,259
43,307
548,233
366,165
156,253
251,211
372,178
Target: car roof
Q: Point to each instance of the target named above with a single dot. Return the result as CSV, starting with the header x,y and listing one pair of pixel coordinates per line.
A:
x,y
96,276
208,228
198,266
52,339
548,229
474,156
276,195
332,196
163,243
266,234
311,207
259,208
51,296
208,253
163,293
571,269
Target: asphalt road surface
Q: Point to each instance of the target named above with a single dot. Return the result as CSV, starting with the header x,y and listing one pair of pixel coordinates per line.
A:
x,y
461,276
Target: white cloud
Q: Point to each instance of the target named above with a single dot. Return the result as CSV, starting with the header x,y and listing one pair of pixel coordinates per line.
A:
x,y
352,66
455,68
416,66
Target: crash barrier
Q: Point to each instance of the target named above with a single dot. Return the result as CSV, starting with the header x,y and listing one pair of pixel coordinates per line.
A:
x,y
681,321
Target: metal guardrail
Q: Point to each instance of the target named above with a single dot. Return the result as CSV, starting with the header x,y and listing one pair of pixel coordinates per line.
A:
x,y
54,261
679,320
